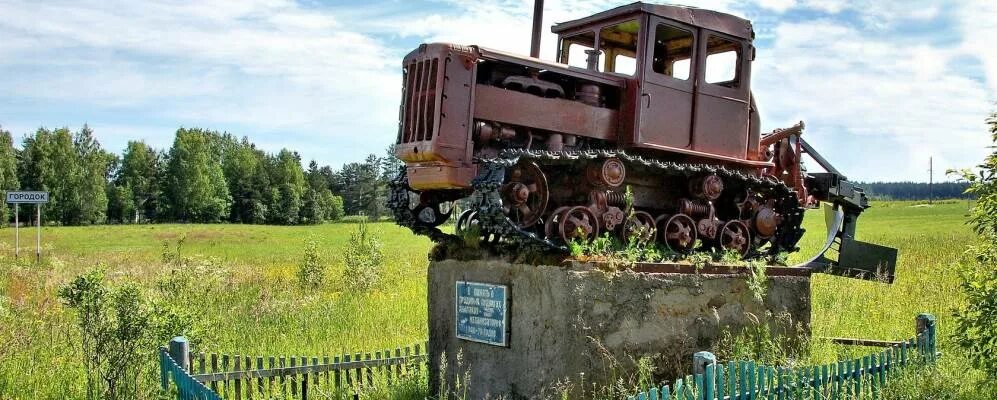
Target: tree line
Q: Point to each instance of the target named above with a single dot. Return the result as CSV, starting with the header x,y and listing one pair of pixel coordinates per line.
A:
x,y
915,190
210,176
205,176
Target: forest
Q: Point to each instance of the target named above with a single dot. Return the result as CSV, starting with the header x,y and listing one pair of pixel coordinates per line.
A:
x,y
205,176
210,176
915,190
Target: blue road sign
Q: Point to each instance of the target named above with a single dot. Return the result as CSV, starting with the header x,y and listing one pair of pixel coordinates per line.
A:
x,y
482,312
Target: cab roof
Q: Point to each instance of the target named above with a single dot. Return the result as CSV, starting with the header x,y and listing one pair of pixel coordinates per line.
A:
x,y
709,19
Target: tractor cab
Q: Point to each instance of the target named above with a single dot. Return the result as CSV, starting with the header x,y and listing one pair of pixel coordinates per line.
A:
x,y
690,70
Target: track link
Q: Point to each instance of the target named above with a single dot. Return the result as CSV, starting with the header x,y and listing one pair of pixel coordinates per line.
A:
x,y
486,198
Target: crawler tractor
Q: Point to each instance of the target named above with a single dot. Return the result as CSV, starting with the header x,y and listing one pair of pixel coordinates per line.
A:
x,y
651,99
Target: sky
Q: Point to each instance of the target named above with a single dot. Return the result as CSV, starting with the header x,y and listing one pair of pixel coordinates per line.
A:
x,y
882,86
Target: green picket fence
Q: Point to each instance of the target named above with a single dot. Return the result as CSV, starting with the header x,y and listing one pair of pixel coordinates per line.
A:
x,y
211,376
861,377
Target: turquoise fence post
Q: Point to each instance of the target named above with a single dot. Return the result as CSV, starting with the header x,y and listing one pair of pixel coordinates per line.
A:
x,y
180,352
926,328
701,363
700,360
721,380
163,371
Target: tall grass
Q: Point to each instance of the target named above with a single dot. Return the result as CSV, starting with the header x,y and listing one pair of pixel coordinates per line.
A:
x,y
248,297
253,302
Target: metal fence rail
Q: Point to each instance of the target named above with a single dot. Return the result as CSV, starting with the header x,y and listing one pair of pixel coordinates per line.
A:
x,y
862,377
231,376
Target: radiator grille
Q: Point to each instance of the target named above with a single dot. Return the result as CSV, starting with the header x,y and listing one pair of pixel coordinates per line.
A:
x,y
420,93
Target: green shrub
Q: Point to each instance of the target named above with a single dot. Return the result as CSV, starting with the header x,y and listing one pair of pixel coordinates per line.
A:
x,y
311,271
114,326
363,260
976,320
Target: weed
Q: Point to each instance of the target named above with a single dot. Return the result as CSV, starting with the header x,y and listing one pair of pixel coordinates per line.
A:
x,y
757,280
311,271
461,379
363,260
768,340
699,260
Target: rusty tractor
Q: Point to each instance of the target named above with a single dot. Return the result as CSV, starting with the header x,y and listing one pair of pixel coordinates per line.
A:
x,y
645,125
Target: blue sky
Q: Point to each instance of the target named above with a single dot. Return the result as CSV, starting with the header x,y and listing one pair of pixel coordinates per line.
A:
x,y
882,86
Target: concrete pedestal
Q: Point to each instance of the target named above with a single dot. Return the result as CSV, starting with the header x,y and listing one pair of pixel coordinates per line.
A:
x,y
565,322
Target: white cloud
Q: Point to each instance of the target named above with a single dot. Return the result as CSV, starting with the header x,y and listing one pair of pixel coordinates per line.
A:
x,y
266,65
325,80
777,5
978,25
848,85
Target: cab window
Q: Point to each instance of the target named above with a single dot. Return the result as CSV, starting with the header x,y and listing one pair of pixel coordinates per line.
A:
x,y
575,49
723,56
618,45
672,51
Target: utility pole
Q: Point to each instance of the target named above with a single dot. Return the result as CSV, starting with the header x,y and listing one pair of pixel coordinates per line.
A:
x,y
931,178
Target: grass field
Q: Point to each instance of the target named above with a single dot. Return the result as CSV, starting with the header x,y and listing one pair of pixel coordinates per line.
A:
x,y
250,301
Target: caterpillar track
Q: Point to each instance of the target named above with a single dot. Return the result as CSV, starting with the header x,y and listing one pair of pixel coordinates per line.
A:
x,y
511,202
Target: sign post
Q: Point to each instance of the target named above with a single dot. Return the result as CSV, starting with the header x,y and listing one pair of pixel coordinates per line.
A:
x,y
28,197
38,238
17,236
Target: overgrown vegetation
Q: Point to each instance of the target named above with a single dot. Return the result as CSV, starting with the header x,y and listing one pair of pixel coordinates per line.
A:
x,y
767,339
363,260
119,326
977,317
242,288
311,271
114,325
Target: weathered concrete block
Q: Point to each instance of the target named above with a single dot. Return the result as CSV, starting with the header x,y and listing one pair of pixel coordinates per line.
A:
x,y
569,321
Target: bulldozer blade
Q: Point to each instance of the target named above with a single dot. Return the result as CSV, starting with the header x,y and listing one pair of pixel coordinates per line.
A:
x,y
855,259
865,261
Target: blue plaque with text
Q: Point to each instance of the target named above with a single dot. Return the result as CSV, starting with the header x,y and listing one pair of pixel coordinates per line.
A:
x,y
482,312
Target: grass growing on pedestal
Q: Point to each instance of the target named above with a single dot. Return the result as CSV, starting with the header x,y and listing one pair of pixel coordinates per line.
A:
x,y
253,304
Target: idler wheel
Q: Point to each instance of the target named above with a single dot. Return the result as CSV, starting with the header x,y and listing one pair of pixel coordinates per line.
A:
x,y
551,226
578,223
640,227
610,173
525,194
678,232
734,235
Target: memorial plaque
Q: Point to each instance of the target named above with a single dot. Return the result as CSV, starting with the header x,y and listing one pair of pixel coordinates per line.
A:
x,y
482,312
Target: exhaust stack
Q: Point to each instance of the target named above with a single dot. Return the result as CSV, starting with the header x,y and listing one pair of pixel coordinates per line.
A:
x,y
538,16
